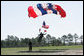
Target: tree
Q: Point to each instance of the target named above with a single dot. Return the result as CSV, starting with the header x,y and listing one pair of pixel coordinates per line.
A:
x,y
22,42
26,41
17,41
53,41
48,39
81,38
33,42
59,41
64,37
70,38
3,43
36,39
75,37
44,41
7,41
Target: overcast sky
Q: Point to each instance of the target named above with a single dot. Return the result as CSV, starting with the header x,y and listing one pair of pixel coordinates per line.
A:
x,y
15,20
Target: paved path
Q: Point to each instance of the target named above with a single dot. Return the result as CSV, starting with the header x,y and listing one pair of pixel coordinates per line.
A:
x,y
61,52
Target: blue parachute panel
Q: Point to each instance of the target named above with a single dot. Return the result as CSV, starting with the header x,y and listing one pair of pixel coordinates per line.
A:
x,y
51,8
39,6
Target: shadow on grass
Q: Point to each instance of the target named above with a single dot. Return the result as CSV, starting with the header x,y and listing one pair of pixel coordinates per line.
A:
x,y
44,51
54,49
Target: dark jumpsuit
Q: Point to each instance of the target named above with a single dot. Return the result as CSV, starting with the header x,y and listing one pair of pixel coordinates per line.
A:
x,y
30,46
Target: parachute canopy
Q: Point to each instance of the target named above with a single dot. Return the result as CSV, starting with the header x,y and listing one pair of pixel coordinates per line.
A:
x,y
42,9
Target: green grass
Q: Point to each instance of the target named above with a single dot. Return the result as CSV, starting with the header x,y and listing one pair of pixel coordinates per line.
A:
x,y
14,51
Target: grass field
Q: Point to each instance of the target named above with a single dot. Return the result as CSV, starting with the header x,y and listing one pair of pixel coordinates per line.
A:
x,y
16,51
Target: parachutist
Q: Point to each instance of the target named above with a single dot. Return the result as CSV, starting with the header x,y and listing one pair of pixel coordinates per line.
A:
x,y
30,45
40,36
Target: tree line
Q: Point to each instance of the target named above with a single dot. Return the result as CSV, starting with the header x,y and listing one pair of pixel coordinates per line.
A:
x,y
48,40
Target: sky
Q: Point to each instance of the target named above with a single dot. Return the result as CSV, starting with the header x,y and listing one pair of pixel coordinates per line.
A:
x,y
15,20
